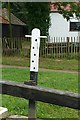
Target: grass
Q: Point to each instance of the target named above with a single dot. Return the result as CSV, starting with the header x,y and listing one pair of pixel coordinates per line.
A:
x,y
49,63
62,81
15,60
59,64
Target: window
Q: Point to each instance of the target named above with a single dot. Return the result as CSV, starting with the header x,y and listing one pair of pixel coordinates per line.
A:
x,y
74,26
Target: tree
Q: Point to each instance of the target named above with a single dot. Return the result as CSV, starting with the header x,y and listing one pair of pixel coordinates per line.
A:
x,y
33,14
67,9
36,14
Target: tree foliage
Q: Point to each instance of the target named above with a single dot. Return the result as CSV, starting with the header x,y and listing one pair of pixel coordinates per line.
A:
x,y
67,9
36,14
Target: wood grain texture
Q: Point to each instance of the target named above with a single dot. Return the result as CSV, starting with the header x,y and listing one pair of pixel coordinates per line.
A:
x,y
52,96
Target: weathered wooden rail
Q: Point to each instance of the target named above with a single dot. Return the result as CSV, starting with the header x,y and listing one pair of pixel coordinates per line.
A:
x,y
52,96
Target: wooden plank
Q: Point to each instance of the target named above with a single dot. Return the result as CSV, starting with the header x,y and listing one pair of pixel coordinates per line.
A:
x,y
74,47
67,46
61,47
77,45
71,46
53,96
54,47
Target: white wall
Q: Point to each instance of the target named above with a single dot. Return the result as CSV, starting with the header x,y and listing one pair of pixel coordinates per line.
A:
x,y
60,27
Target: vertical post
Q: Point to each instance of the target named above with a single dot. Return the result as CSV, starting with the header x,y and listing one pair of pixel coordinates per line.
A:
x,y
71,46
61,49
35,43
54,47
67,46
74,46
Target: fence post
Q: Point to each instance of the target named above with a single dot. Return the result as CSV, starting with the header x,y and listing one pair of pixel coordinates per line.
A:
x,y
79,49
67,46
35,44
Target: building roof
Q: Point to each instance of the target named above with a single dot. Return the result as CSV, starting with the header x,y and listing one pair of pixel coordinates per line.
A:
x,y
4,18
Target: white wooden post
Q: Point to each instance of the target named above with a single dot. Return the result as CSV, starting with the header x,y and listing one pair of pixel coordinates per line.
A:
x,y
35,44
34,60
34,56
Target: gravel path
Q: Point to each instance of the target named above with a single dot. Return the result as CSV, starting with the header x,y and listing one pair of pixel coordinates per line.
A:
x,y
40,69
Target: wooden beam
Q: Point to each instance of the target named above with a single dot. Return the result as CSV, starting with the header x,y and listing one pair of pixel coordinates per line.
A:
x,y
52,96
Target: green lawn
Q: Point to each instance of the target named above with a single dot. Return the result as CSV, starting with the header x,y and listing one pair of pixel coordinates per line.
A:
x,y
62,81
49,63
